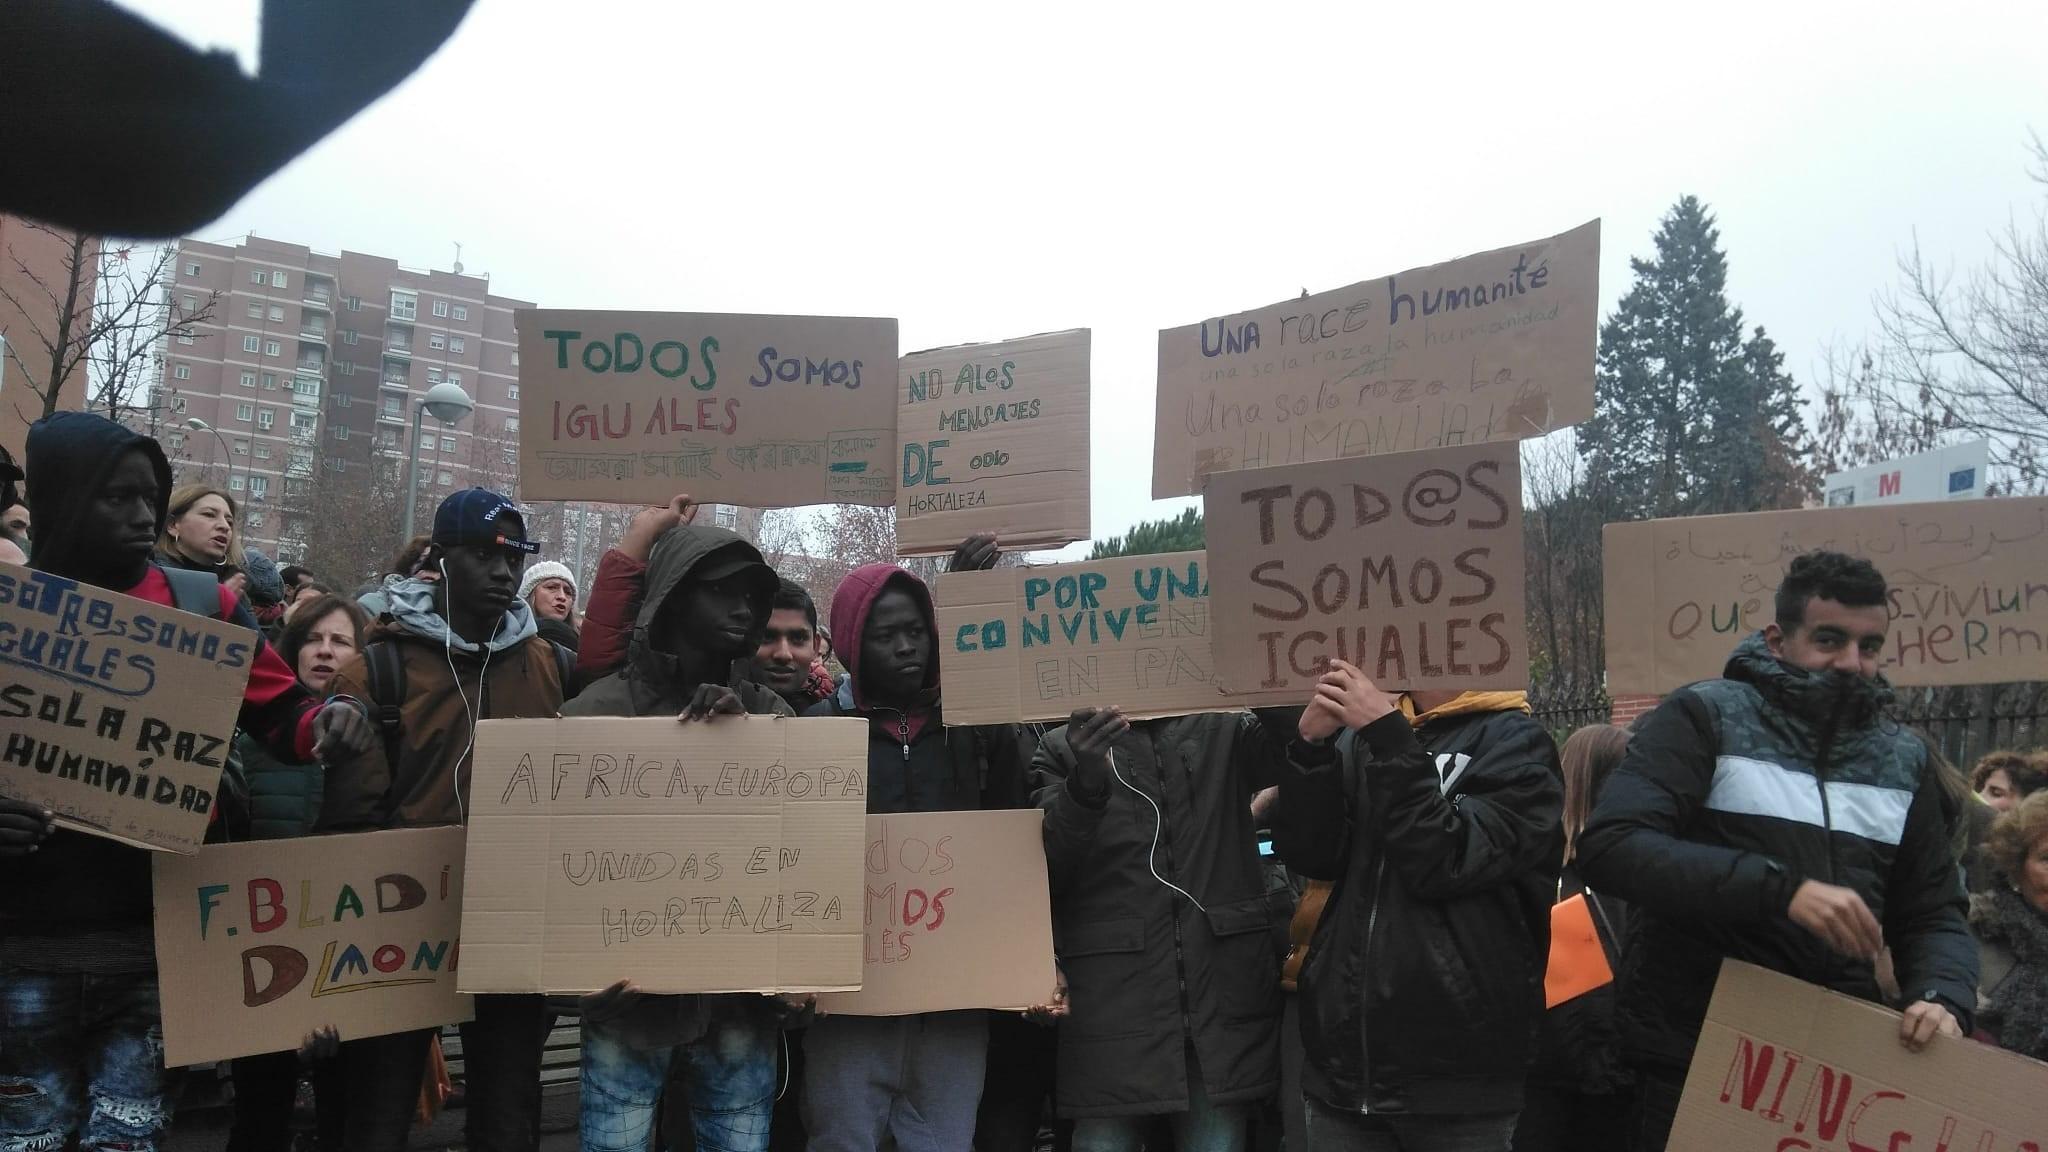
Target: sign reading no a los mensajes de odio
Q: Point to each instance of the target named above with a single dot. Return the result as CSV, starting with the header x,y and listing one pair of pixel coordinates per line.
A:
x,y
116,713
1408,566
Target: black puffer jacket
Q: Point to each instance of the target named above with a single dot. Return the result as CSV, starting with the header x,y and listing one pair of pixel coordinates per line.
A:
x,y
1424,981
1148,973
1736,791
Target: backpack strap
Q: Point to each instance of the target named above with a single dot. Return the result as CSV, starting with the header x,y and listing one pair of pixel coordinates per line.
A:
x,y
194,592
386,667
565,667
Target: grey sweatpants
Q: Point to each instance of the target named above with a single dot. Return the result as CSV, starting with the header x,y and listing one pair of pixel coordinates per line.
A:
x,y
915,1080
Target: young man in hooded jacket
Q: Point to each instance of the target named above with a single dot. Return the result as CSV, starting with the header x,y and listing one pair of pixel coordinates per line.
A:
x,y
1778,816
81,1056
704,601
1439,816
466,650
914,1079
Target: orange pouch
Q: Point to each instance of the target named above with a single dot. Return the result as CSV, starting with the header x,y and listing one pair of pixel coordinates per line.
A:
x,y
1578,964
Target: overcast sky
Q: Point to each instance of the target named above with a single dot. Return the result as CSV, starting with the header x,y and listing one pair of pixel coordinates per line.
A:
x,y
982,171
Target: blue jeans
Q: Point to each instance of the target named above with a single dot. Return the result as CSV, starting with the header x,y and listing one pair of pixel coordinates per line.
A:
x,y
81,1057
1333,1130
731,1076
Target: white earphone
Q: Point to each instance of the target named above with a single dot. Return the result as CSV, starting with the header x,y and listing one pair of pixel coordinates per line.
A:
x,y
469,713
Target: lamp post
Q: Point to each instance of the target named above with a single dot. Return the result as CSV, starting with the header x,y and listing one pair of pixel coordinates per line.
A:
x,y
227,454
447,403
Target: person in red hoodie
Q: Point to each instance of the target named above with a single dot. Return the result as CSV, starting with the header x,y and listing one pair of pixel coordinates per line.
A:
x,y
914,1079
81,1052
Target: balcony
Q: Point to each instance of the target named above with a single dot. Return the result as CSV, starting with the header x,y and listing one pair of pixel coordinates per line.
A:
x,y
389,416
398,348
310,330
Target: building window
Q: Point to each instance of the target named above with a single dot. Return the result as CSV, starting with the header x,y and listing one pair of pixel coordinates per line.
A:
x,y
245,412
341,431
248,379
348,335
302,421
175,441
270,381
178,404
182,372
272,348
437,341
433,375
447,443
266,419
391,406
346,367
515,357
441,308
277,313
241,447
354,303
511,391
725,516
343,400
405,305
256,276
511,423
254,519
455,344
259,487
234,483
461,312
277,280
191,269
445,479
255,309
191,304
262,451
455,377
251,344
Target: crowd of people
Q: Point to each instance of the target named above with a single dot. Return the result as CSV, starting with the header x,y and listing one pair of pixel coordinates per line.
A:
x,y
1377,982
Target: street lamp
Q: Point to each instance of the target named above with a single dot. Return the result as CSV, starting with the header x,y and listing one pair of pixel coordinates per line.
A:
x,y
448,403
226,454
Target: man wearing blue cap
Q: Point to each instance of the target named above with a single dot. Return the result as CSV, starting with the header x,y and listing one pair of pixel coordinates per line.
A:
x,y
445,654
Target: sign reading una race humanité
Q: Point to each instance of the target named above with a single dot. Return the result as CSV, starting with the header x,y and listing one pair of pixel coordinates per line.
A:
x,y
116,713
1497,346
765,411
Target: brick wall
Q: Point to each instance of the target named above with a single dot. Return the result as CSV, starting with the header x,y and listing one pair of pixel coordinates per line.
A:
x,y
1627,708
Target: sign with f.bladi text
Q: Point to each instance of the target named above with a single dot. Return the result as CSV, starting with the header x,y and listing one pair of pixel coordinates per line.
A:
x,y
765,411
1497,346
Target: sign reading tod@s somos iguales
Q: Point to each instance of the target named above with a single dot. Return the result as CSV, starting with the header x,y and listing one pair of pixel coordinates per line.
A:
x,y
766,411
116,713
262,942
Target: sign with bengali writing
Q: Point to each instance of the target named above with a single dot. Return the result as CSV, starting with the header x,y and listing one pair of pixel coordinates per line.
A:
x,y
1968,595
995,440
260,943
1785,1066
1497,346
116,713
1035,643
708,857
1409,566
959,915
764,411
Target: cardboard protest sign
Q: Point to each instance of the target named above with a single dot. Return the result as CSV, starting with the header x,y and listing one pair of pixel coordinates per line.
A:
x,y
716,856
1784,1066
1409,566
766,411
958,915
1969,604
995,440
262,942
1036,643
117,712
1497,346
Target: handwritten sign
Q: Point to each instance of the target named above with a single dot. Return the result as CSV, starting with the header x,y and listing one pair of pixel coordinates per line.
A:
x,y
767,411
1409,566
1969,602
1784,1066
995,439
260,943
711,857
116,712
958,915
1036,643
1497,346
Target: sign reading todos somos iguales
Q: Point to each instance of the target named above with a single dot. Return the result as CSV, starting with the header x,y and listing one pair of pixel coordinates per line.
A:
x,y
1497,346
767,411
1409,566
262,942
116,712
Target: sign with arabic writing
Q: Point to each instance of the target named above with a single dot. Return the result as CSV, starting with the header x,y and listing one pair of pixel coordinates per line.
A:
x,y
1968,598
765,411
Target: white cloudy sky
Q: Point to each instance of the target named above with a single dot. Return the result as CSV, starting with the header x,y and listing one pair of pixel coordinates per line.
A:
x,y
983,171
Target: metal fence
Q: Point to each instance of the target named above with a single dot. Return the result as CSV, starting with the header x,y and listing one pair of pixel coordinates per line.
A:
x,y
1565,708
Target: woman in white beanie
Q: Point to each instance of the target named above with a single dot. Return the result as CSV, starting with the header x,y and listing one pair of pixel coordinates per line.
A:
x,y
550,590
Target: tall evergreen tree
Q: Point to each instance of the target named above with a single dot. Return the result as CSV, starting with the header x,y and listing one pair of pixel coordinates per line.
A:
x,y
1690,418
1183,533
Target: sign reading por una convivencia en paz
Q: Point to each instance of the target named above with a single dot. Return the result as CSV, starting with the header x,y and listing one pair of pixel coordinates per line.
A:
x,y
1408,566
766,411
1497,346
718,856
117,712
995,440
262,942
